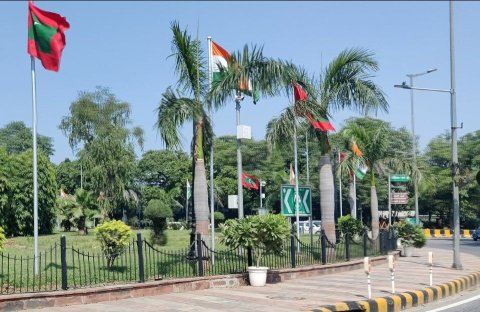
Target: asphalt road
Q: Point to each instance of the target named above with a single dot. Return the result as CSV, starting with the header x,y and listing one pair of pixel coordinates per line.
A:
x,y
465,301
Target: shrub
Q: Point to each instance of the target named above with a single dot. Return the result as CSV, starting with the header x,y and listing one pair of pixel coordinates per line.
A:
x,y
263,233
219,218
158,211
114,237
350,226
410,234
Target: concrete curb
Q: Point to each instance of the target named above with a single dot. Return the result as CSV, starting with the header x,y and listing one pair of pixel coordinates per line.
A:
x,y
405,300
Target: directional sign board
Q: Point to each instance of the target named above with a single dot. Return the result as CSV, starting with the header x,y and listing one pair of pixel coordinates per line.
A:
x,y
399,178
288,203
399,198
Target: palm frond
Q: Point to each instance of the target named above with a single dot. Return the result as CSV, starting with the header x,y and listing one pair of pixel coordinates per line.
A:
x,y
172,112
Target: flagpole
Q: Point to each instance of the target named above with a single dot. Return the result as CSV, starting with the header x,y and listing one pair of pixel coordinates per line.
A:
x,y
212,207
35,186
297,210
186,204
354,196
340,185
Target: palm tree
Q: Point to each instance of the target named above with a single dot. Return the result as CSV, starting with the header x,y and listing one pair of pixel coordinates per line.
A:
x,y
185,104
381,154
344,83
247,67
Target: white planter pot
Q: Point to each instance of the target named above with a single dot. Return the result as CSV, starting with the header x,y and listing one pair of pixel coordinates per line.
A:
x,y
257,276
408,251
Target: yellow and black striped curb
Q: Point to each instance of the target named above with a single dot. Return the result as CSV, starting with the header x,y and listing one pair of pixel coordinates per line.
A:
x,y
405,300
442,233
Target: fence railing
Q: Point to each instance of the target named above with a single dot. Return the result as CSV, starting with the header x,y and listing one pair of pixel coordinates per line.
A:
x,y
62,267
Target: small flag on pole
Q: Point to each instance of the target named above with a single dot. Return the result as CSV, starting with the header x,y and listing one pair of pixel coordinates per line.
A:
x,y
46,38
292,175
360,171
356,150
189,191
250,181
220,59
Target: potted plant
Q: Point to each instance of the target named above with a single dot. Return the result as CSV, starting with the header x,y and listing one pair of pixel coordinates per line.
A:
x,y
263,234
411,236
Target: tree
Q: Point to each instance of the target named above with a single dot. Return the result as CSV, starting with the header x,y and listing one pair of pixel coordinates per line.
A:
x,y
98,123
17,138
16,199
188,103
69,175
344,83
86,208
382,153
157,211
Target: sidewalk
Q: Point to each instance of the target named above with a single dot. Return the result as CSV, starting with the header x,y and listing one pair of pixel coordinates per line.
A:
x,y
300,294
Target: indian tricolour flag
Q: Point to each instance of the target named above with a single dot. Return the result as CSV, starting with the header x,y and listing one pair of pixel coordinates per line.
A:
x,y
220,59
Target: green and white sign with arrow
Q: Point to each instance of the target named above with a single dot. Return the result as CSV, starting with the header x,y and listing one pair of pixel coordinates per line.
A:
x,y
288,202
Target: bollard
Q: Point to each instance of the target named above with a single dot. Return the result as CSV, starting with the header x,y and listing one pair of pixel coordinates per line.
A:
x,y
430,261
367,267
391,266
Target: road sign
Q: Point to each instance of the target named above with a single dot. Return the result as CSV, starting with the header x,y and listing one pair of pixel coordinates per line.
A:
x,y
399,198
288,203
399,178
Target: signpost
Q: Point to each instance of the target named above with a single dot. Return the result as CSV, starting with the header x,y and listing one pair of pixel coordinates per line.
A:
x,y
400,198
288,202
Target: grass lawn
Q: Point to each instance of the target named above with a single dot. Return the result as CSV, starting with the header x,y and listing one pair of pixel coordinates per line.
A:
x,y
23,246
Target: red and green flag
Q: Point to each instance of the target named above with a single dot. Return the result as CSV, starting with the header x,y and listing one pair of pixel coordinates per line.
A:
x,y
250,181
322,124
46,38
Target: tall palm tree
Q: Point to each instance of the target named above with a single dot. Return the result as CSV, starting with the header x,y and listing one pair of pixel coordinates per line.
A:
x,y
185,104
344,83
246,67
376,140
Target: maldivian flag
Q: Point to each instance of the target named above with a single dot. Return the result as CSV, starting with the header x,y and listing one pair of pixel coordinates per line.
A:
x,y
250,181
322,124
360,171
46,38
220,58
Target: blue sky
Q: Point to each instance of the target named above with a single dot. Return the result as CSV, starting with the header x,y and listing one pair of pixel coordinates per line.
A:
x,y
125,46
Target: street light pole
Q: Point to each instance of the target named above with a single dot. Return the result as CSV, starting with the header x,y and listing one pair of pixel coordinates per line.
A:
x,y
453,113
238,99
414,140
453,122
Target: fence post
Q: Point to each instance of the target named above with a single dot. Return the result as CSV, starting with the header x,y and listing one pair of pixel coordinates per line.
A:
x,y
365,244
63,259
347,247
292,251
249,257
141,269
324,247
199,254
382,245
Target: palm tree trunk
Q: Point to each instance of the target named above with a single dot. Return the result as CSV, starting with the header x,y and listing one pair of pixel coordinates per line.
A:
x,y
374,211
327,198
351,199
200,199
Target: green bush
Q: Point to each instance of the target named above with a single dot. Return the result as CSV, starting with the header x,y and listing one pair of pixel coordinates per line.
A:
x,y
263,233
410,234
350,226
219,218
114,237
158,211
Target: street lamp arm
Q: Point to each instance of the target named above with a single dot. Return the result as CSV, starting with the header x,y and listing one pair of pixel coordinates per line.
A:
x,y
405,86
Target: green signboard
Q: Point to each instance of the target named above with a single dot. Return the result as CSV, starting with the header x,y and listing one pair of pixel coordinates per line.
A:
x,y
288,203
399,178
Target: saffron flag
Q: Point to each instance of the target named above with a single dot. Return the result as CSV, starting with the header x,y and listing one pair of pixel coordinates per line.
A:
x,y
356,150
220,58
292,175
46,38
250,181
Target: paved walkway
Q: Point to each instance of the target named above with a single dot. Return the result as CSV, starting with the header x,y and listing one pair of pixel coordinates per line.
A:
x,y
301,294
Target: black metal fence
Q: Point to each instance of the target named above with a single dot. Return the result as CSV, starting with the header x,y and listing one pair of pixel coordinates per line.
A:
x,y
69,268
